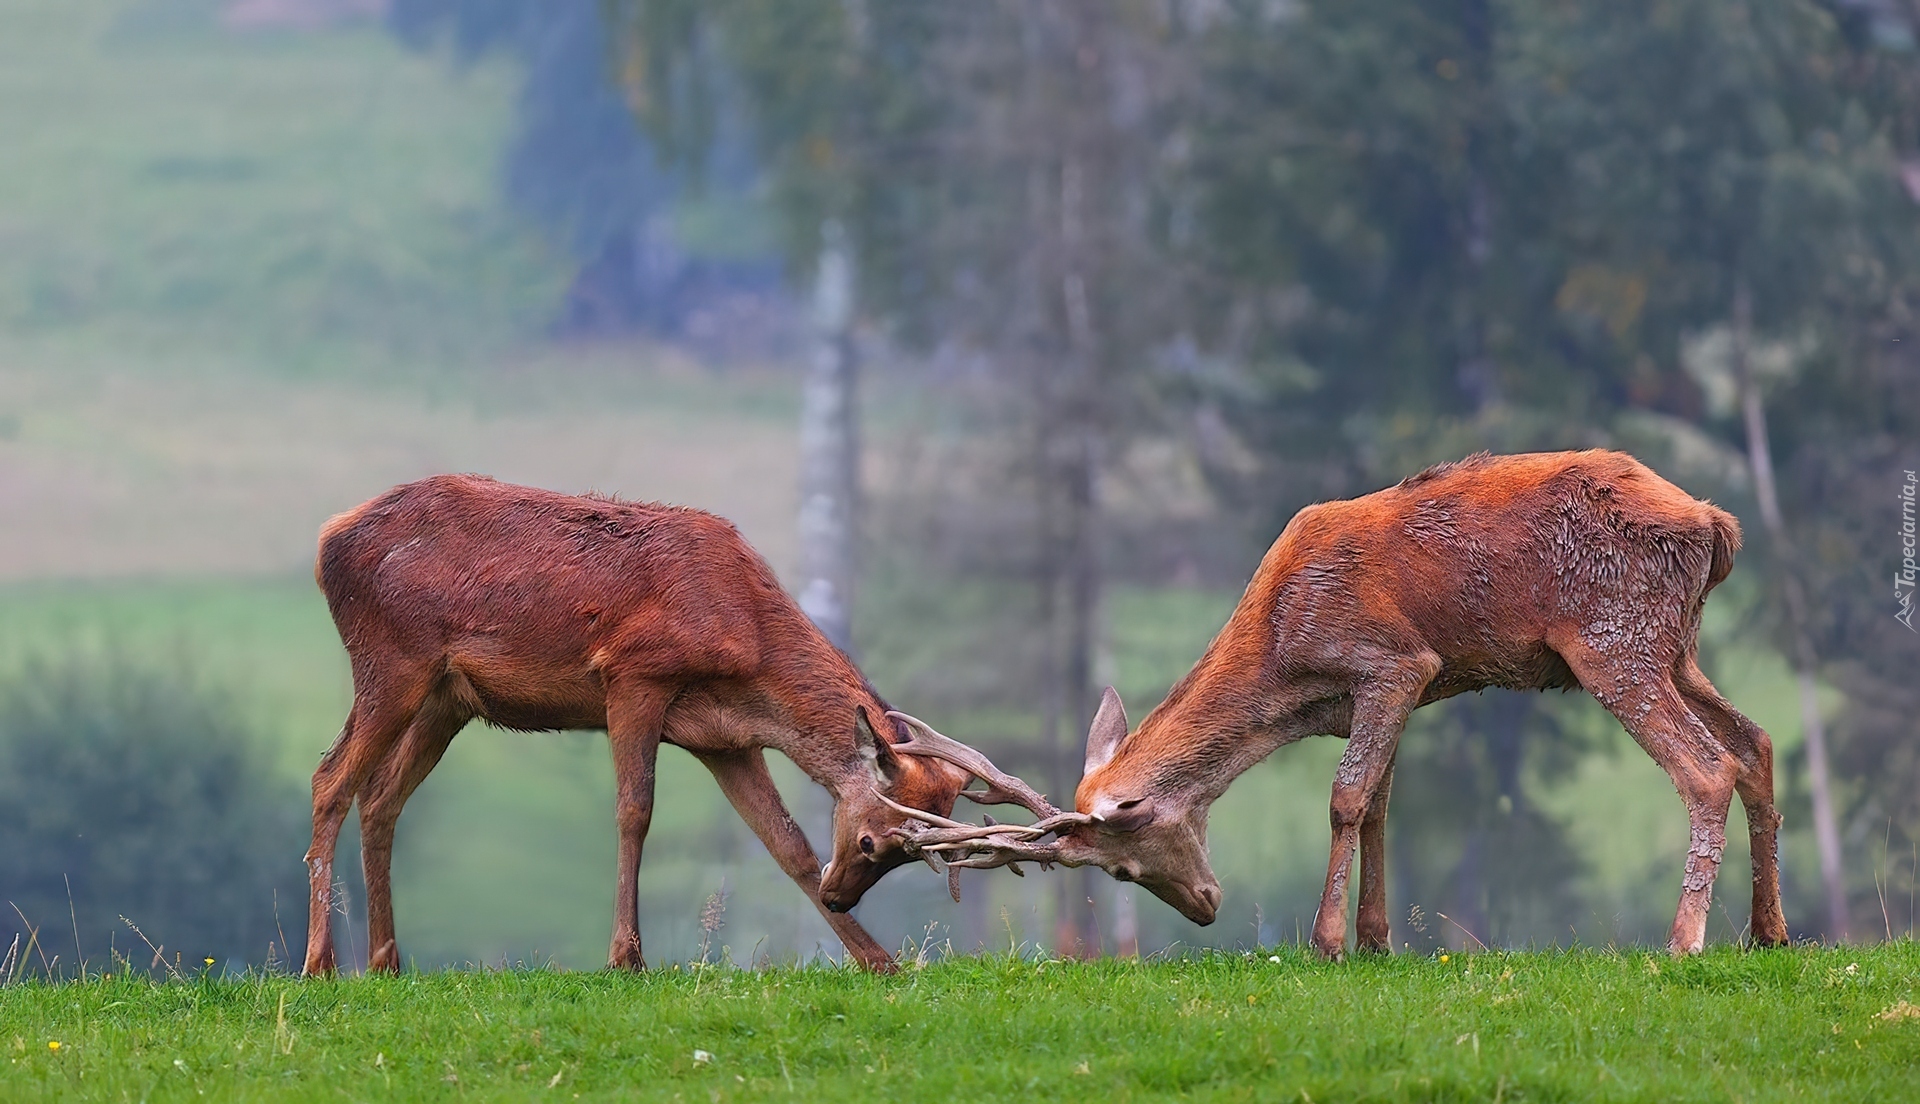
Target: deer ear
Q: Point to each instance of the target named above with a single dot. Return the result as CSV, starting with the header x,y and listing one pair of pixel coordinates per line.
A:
x,y
875,750
1108,730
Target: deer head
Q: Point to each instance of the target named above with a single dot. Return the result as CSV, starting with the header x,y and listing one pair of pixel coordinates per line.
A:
x,y
1128,821
896,784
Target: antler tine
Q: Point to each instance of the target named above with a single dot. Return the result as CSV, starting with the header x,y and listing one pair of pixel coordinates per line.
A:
x,y
1002,788
995,845
986,854
929,818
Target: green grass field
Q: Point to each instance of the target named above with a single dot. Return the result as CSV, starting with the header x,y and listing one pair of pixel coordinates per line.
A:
x,y
1801,1024
323,203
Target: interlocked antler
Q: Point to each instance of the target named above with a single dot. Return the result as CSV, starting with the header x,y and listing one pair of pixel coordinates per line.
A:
x,y
979,846
1002,788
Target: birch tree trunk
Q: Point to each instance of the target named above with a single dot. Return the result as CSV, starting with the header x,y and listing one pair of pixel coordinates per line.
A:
x,y
1826,831
830,449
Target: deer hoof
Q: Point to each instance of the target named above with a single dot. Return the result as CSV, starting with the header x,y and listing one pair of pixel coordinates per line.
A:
x,y
626,957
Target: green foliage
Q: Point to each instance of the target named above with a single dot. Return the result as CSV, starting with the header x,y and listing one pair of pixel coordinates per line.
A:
x,y
1494,224
1519,225
1776,1025
126,791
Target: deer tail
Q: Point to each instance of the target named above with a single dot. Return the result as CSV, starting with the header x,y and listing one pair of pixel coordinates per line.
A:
x,y
1726,541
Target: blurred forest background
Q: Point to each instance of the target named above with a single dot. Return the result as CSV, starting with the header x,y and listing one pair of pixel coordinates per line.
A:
x,y
1011,332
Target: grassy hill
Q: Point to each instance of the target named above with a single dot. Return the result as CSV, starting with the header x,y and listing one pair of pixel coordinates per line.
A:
x,y
314,200
1799,1024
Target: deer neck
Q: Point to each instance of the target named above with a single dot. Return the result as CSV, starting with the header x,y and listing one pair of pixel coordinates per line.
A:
x,y
1196,752
816,690
1216,723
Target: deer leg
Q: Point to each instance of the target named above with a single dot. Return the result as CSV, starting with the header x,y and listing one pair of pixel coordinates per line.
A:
x,y
1643,697
1371,926
397,776
744,779
319,857
1754,750
373,725
634,720
1382,700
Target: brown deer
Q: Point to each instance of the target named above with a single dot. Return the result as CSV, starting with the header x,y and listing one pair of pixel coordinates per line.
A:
x,y
460,597
1524,572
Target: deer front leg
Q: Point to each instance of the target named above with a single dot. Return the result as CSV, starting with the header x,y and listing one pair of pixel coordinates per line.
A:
x,y
744,779
1383,697
634,719
1371,926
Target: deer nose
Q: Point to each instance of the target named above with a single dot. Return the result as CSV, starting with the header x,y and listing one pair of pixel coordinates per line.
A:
x,y
830,899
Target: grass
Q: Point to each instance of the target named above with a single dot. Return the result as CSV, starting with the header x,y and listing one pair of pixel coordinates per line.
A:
x,y
1806,1023
315,199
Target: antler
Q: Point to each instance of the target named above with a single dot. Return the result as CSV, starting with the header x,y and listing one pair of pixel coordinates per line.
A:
x,y
1002,788
936,839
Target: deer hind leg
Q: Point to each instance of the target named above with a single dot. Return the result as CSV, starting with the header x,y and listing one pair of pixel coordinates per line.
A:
x,y
1371,928
1642,696
1754,750
635,716
393,781
744,779
378,717
1383,698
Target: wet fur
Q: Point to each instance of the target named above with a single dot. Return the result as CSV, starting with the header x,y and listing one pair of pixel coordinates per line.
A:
x,y
1531,572
459,597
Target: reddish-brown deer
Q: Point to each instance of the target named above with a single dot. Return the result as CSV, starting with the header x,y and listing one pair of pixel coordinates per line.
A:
x,y
1524,572
460,597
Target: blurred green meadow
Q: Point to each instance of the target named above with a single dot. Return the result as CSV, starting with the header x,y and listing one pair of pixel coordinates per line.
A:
x,y
507,850
250,279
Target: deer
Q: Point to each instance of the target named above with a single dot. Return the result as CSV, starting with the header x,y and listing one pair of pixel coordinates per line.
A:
x,y
1527,572
459,597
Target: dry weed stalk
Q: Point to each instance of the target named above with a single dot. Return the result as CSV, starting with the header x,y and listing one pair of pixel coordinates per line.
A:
x,y
713,917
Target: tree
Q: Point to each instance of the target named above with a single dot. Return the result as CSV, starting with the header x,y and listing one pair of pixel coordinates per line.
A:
x,y
1335,242
1768,193
127,792
1381,237
995,167
582,168
1442,226
830,449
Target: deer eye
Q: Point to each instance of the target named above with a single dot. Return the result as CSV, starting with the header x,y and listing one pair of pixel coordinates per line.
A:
x,y
1129,804
866,845
1126,874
